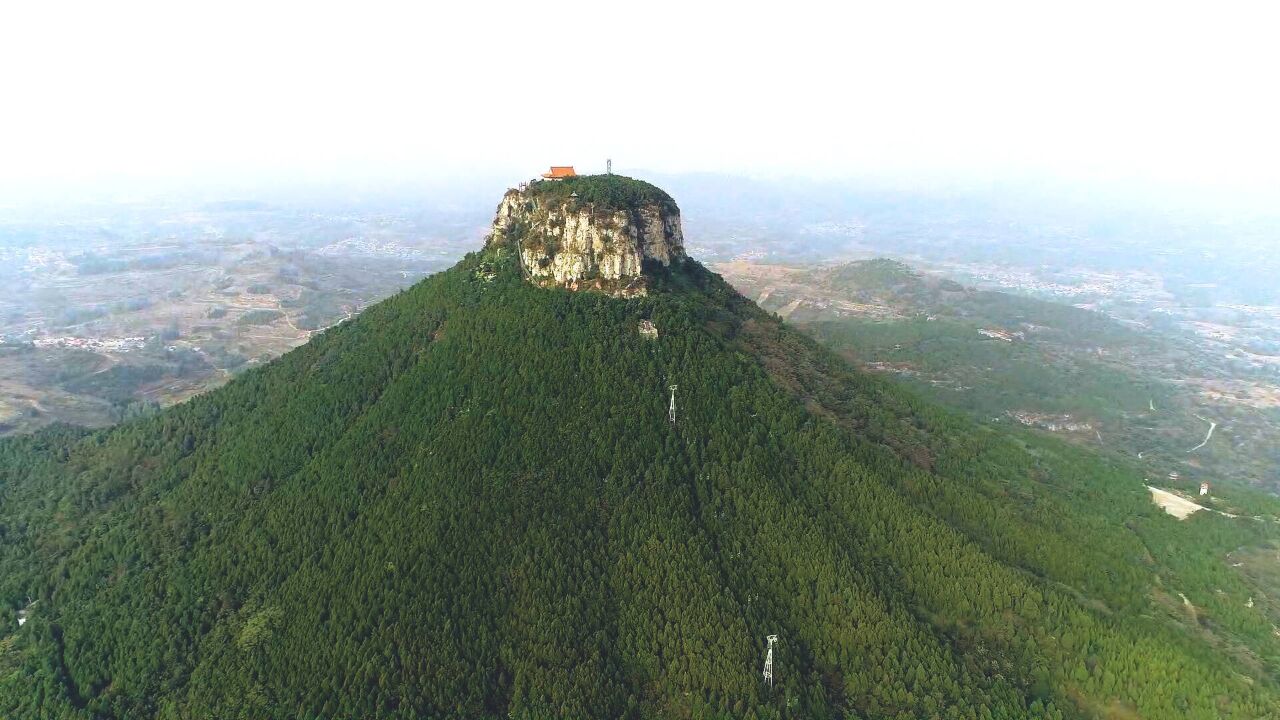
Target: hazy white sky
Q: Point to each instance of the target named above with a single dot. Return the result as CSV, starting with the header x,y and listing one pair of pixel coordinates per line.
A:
x,y
176,90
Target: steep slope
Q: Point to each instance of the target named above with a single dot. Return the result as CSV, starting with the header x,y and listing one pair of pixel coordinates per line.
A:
x,y
469,502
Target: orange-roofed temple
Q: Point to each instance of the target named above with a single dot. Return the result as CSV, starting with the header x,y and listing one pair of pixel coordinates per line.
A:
x,y
559,172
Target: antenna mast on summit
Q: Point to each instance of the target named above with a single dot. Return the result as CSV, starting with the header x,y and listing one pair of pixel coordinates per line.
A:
x,y
671,415
768,661
608,166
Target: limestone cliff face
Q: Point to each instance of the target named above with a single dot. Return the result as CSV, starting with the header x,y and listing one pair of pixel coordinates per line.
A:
x,y
593,241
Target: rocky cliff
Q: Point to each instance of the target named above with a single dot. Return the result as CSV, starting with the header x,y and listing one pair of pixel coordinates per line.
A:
x,y
606,233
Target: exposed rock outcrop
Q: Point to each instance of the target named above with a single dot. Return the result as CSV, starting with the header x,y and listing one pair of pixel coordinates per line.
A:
x,y
605,233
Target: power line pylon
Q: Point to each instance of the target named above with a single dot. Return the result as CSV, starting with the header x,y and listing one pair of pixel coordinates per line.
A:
x,y
768,661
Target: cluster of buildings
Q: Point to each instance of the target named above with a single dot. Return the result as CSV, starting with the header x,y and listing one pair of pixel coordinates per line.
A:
x,y
372,247
998,334
35,258
1052,423
124,344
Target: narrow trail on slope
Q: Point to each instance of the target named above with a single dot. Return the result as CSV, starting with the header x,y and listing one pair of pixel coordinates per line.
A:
x,y
1191,609
1212,426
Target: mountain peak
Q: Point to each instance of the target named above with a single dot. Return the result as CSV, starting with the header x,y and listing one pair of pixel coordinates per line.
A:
x,y
604,233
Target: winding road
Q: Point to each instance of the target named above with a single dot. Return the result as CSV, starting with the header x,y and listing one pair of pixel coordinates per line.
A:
x,y
1212,426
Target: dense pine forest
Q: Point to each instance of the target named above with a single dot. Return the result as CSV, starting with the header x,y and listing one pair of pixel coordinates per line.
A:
x,y
469,502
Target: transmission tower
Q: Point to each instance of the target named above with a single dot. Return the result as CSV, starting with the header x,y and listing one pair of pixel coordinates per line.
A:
x,y
671,415
608,164
768,661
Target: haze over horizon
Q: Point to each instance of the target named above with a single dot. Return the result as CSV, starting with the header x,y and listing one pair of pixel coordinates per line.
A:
x,y
1140,95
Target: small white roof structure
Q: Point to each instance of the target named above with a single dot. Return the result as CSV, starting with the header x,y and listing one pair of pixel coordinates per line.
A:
x,y
24,613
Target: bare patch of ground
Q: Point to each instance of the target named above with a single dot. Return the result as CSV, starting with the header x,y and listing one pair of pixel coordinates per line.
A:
x,y
785,290
1250,394
1175,505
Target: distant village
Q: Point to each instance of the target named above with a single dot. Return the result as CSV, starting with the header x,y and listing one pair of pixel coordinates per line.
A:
x,y
122,344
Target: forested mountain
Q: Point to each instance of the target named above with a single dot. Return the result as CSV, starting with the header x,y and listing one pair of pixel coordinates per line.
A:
x,y
470,502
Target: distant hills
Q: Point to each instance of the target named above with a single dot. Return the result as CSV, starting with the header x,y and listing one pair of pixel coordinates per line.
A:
x,y
1116,385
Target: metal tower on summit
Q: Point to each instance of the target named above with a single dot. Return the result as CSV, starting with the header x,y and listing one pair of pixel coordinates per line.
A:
x,y
768,661
671,415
